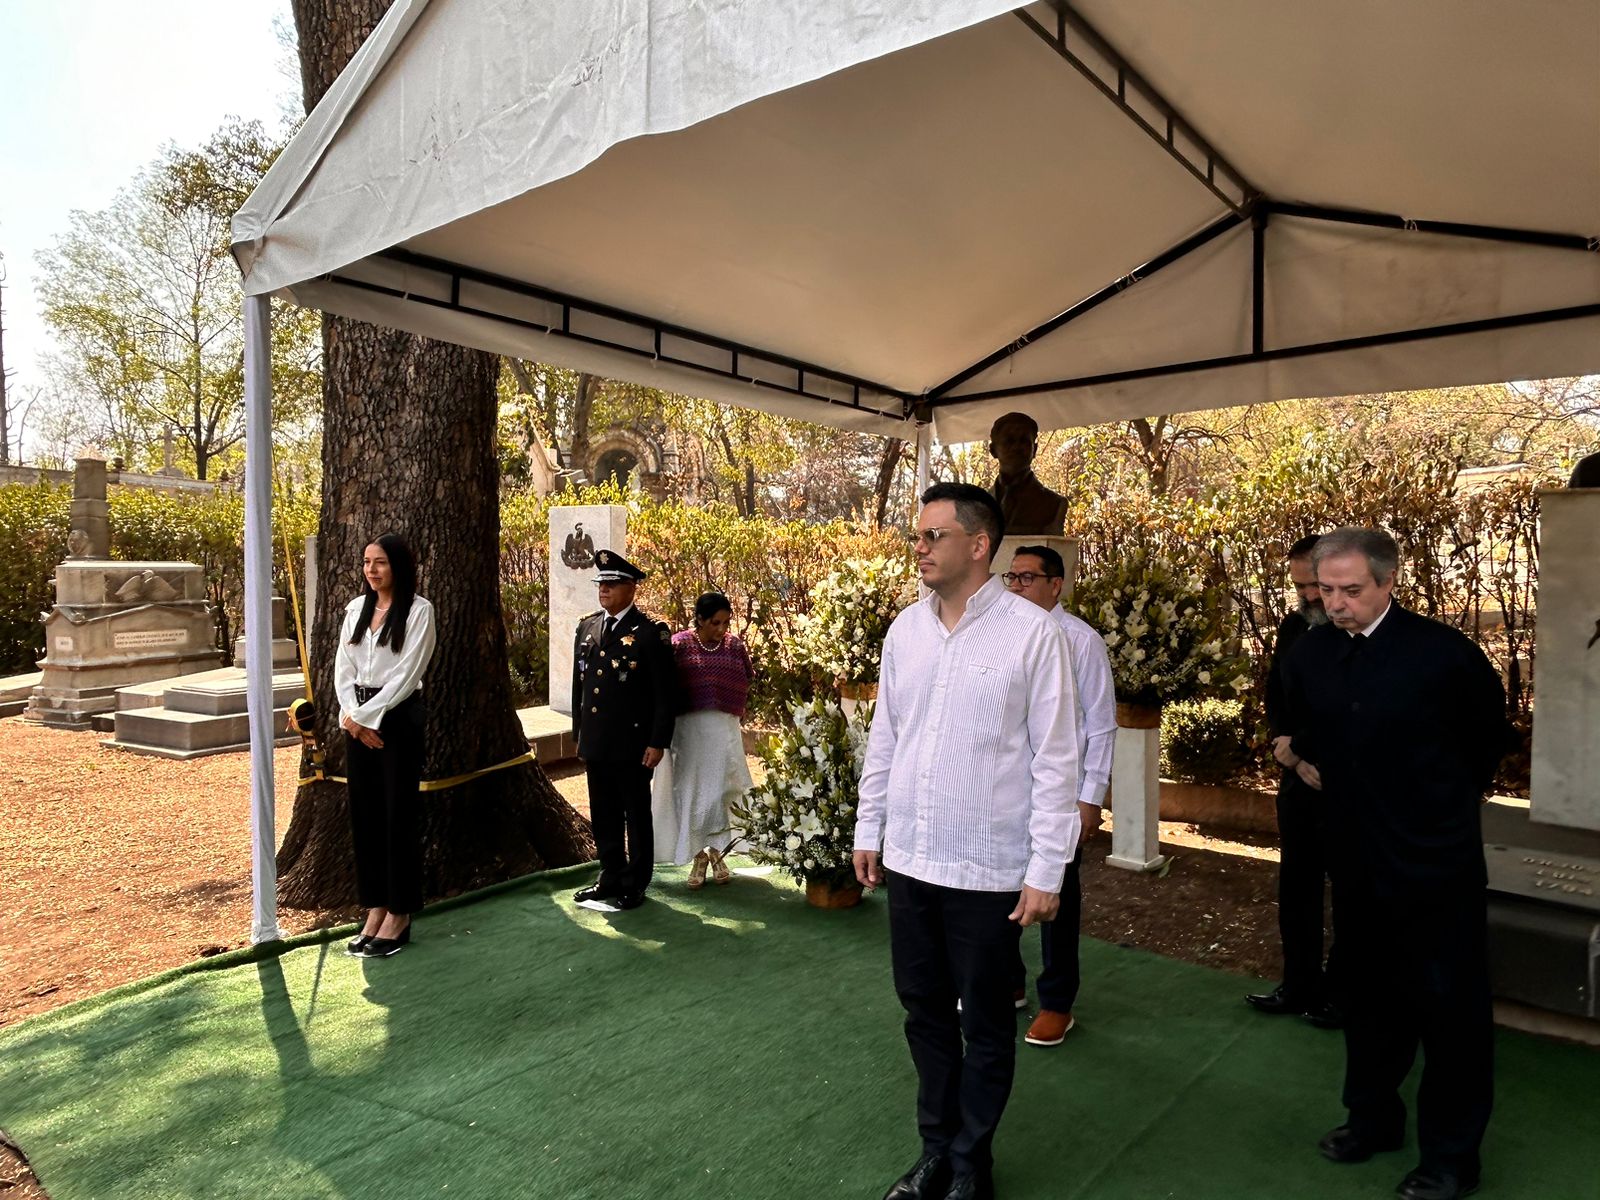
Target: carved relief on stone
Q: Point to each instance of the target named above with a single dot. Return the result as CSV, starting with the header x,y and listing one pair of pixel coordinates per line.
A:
x,y
142,587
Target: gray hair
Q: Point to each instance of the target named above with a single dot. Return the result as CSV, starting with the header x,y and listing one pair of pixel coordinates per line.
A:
x,y
1376,546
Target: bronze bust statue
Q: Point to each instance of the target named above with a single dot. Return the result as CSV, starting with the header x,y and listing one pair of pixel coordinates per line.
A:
x,y
1028,506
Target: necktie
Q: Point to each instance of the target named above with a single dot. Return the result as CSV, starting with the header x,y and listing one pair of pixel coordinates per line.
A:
x,y
605,634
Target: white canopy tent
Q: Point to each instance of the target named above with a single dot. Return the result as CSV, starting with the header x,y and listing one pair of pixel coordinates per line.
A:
x,y
875,215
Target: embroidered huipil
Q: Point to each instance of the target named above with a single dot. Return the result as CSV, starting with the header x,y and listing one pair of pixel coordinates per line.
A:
x,y
971,776
373,666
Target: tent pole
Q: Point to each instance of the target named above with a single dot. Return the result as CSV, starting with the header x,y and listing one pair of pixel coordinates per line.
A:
x,y
258,614
924,457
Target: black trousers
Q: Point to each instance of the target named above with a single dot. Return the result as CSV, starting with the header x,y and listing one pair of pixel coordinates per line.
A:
x,y
1418,976
947,945
385,810
1058,982
624,835
1303,868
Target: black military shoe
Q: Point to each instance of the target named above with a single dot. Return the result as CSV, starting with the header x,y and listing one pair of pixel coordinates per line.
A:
x,y
928,1180
1326,1015
1276,1003
629,900
596,891
971,1187
1433,1183
1347,1145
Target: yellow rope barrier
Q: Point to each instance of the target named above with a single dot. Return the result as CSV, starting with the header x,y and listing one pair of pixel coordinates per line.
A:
x,y
434,785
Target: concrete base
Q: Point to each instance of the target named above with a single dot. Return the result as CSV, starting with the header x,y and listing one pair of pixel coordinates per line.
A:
x,y
549,733
15,690
1136,800
199,715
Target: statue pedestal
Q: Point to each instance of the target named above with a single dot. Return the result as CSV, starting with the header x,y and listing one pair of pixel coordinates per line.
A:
x,y
1136,800
285,653
572,587
115,624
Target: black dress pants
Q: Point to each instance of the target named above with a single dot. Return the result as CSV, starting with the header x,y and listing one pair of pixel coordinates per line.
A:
x,y
1058,982
948,944
1303,867
385,810
624,835
1418,976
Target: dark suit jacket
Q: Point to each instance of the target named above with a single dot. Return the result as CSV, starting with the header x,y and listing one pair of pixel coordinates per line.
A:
x,y
1291,630
1407,730
624,688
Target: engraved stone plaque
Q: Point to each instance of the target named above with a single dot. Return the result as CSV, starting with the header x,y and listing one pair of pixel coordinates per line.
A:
x,y
149,639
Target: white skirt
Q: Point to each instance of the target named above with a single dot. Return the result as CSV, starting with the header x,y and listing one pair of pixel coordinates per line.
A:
x,y
692,787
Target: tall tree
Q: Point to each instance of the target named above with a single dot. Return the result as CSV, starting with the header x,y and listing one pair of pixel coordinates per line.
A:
x,y
409,445
144,301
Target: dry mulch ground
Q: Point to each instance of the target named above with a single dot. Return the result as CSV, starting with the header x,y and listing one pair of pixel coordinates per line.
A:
x,y
114,866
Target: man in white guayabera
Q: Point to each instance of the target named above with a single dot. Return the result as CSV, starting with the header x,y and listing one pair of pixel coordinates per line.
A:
x,y
969,791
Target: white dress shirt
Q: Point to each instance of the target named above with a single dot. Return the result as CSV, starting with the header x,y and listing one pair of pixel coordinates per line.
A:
x,y
971,772
370,665
1097,705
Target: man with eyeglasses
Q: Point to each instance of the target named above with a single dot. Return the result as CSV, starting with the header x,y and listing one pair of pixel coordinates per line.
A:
x,y
1038,574
968,807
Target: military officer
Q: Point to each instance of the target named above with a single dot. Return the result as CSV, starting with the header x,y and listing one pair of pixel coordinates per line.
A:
x,y
624,701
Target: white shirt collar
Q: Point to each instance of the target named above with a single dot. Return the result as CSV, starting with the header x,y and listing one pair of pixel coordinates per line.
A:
x,y
619,616
1367,632
986,595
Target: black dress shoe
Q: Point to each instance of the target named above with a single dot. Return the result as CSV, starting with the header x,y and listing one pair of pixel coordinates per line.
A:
x,y
596,891
1326,1015
630,900
357,944
971,1187
1347,1145
928,1180
1433,1183
1276,1003
381,947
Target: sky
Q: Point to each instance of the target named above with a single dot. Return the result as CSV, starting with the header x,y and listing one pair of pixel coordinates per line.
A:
x,y
90,91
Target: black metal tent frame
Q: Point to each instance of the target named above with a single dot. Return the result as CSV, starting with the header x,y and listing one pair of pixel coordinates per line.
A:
x,y
440,283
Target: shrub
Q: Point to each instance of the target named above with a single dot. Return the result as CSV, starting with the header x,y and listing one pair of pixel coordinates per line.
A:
x,y
1203,741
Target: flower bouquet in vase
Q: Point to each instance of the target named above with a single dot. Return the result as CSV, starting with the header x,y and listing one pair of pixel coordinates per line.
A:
x,y
801,817
852,606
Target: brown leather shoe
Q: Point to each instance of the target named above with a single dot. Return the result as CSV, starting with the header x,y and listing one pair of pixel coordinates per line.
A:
x,y
697,873
1049,1028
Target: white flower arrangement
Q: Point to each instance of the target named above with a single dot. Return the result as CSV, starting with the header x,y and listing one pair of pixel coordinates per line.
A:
x,y
851,609
1162,626
802,816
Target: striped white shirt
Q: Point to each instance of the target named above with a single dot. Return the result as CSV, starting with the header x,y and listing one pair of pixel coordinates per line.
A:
x,y
1097,705
971,772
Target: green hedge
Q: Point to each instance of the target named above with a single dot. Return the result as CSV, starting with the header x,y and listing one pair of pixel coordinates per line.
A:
x,y
1204,741
146,526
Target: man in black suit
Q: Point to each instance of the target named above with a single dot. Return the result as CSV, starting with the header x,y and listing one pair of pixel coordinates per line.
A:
x,y
1400,722
624,703
1302,854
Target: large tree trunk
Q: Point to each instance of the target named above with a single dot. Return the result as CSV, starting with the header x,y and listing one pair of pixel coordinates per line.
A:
x,y
408,446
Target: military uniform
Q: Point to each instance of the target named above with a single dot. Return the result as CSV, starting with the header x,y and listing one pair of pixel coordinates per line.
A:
x,y
624,701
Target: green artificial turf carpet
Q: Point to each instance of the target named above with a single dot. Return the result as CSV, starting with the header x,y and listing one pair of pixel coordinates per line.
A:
x,y
726,1043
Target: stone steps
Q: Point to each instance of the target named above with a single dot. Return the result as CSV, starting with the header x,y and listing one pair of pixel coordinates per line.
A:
x,y
196,715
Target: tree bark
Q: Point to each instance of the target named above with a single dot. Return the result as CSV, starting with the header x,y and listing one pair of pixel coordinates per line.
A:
x,y
888,464
408,446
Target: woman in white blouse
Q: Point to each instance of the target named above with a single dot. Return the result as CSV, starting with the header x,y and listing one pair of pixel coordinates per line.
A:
x,y
384,649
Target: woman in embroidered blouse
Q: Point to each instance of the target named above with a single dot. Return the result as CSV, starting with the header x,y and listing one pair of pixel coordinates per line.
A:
x,y
708,767
387,640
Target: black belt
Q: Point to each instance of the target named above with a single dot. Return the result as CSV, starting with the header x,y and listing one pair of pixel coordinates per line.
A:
x,y
363,694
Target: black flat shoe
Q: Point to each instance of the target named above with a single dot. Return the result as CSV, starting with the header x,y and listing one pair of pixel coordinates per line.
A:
x,y
1431,1183
357,944
1347,1145
383,947
1276,1003
928,1180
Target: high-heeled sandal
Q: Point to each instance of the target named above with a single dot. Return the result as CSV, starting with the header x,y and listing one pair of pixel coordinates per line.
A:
x,y
719,868
697,873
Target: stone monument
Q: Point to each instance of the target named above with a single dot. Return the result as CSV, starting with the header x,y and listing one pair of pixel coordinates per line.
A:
x,y
115,623
576,532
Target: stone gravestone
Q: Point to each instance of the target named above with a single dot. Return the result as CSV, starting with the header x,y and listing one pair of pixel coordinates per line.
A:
x,y
576,533
115,623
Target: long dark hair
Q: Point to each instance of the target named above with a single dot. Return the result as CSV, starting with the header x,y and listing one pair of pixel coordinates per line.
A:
x,y
403,567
